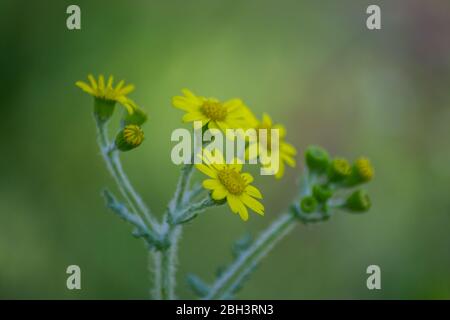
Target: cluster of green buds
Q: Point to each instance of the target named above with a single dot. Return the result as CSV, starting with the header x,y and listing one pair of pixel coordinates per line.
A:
x,y
334,183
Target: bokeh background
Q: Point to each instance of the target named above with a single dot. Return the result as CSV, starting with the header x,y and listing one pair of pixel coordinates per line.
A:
x,y
312,65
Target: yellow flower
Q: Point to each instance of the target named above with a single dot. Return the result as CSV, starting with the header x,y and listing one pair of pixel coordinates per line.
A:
x,y
228,182
232,114
107,92
286,151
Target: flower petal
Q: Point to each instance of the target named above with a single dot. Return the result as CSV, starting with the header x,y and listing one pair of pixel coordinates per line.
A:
x,y
252,203
193,116
233,202
248,177
206,170
85,87
101,82
110,82
237,206
282,130
211,184
243,212
253,191
288,148
280,172
267,120
184,104
93,82
288,159
126,90
219,193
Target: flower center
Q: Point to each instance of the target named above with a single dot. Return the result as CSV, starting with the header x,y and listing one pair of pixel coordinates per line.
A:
x,y
232,181
214,110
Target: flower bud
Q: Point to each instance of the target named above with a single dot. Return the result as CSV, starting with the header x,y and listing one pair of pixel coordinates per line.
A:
x,y
363,169
308,204
317,159
321,193
358,201
103,109
129,137
138,117
339,169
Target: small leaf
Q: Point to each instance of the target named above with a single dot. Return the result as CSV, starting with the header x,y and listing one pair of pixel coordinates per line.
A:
x,y
242,244
197,285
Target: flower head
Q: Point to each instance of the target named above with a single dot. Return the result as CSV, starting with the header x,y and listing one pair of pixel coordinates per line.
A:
x,y
286,151
227,182
107,93
358,201
317,159
364,169
231,114
129,137
339,169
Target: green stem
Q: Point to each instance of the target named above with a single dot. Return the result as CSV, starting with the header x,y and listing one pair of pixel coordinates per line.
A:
x,y
114,166
166,260
245,263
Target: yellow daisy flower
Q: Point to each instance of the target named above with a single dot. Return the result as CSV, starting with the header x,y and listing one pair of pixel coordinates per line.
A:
x,y
107,92
232,114
228,182
287,152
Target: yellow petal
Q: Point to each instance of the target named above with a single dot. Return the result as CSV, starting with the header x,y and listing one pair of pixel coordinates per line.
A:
x,y
243,212
211,184
233,202
119,86
193,116
252,203
128,88
206,170
190,95
184,104
219,193
85,87
232,104
280,172
266,120
248,177
282,130
93,82
289,160
254,192
128,104
288,148
237,206
101,83
110,82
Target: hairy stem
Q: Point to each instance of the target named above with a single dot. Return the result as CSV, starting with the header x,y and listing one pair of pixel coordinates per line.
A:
x,y
246,262
114,166
172,233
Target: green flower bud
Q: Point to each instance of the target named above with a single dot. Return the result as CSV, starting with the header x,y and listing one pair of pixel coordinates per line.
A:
x,y
363,169
103,109
339,169
317,159
308,204
129,138
358,201
322,193
138,117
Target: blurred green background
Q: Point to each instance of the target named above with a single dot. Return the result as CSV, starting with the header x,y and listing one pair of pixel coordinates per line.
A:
x,y
312,65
